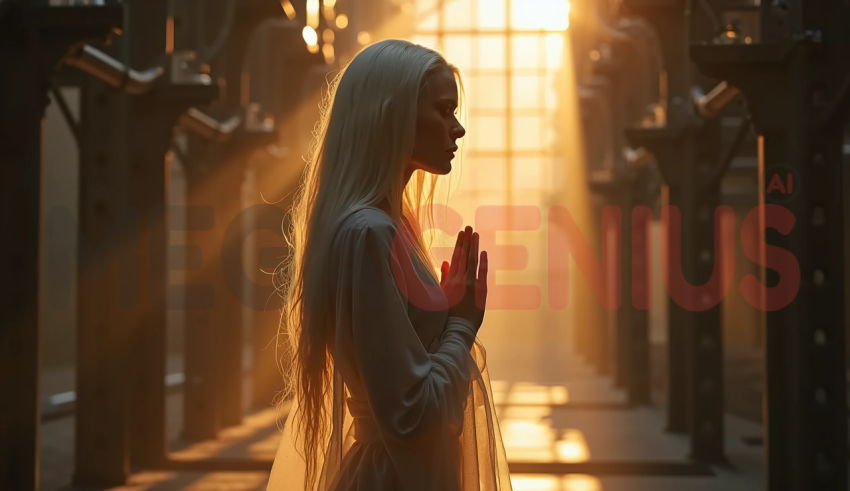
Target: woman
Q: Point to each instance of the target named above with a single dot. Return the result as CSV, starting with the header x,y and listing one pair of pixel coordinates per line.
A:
x,y
389,386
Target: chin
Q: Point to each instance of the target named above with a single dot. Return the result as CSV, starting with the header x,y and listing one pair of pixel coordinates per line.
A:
x,y
441,168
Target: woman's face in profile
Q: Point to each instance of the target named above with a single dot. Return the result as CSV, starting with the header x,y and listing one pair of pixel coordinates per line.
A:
x,y
437,127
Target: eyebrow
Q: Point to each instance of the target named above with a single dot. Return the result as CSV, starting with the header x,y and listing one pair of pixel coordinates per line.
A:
x,y
450,100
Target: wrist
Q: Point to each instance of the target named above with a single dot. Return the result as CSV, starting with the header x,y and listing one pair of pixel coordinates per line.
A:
x,y
466,323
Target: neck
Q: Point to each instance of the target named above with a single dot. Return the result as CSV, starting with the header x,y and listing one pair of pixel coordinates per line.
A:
x,y
385,203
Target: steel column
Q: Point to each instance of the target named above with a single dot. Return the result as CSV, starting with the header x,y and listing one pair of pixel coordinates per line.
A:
x,y
795,81
616,69
640,218
136,159
32,40
214,340
106,290
673,148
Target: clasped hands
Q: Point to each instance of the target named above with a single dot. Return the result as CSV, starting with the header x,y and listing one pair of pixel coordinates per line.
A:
x,y
465,290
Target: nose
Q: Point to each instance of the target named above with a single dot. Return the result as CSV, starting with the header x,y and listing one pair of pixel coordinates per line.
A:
x,y
457,131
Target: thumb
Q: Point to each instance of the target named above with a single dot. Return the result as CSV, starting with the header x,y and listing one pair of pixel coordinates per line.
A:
x,y
444,272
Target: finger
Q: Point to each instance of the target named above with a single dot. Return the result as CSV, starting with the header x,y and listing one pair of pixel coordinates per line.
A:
x,y
481,285
467,244
456,253
471,269
444,272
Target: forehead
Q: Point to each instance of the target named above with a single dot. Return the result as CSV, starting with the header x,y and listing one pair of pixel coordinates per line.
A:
x,y
440,84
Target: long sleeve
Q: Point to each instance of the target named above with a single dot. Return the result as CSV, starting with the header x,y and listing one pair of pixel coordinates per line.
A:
x,y
401,418
417,399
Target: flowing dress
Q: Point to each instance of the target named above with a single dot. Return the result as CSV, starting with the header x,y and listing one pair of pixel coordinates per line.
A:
x,y
411,404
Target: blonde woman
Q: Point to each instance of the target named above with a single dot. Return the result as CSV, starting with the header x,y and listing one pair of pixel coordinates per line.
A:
x,y
388,385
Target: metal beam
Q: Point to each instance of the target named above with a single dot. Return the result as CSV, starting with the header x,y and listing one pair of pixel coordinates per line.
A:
x,y
687,149
214,170
791,78
32,40
124,174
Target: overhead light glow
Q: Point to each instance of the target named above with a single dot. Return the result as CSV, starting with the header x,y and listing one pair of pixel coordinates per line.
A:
x,y
288,9
313,13
342,21
547,15
310,36
328,51
364,38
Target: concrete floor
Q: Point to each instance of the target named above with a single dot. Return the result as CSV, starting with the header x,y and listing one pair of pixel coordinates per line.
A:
x,y
565,413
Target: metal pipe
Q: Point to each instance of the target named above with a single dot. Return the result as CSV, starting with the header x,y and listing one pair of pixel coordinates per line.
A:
x,y
710,104
112,72
208,128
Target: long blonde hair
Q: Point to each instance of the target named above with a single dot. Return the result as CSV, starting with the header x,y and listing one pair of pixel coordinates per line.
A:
x,y
362,145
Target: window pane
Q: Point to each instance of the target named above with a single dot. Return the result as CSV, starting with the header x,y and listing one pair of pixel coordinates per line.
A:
x,y
525,92
490,172
551,129
425,40
525,173
526,132
458,14
526,52
554,50
491,14
467,172
534,62
427,14
428,22
486,133
486,92
459,50
551,15
423,6
550,91
491,52
556,171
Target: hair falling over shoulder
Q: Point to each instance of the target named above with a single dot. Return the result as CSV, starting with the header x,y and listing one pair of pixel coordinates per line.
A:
x,y
361,146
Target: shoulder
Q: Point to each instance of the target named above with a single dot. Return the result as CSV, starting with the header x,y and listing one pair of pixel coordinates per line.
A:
x,y
370,222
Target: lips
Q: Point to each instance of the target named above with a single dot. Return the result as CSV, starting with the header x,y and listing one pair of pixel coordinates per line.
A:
x,y
453,149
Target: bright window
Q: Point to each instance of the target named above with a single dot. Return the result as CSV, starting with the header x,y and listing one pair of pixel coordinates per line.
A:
x,y
509,52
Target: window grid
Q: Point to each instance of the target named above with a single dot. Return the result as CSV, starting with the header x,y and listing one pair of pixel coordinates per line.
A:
x,y
517,113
